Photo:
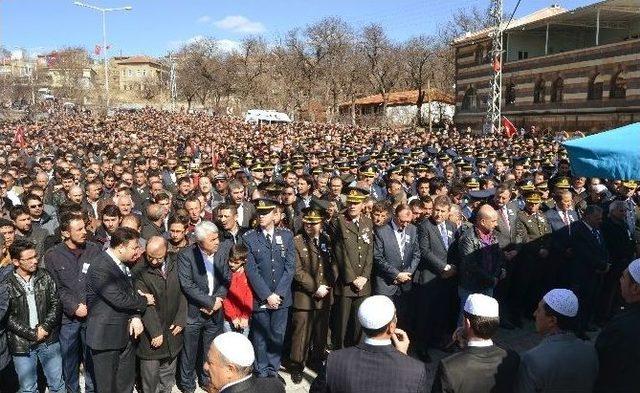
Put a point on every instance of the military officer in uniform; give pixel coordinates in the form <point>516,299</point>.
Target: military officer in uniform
<point>270,269</point>
<point>352,235</point>
<point>533,232</point>
<point>312,295</point>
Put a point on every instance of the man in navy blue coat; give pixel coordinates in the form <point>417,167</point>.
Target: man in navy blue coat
<point>396,255</point>
<point>204,276</point>
<point>270,269</point>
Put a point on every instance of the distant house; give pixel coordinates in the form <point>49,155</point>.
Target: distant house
<point>136,71</point>
<point>402,108</point>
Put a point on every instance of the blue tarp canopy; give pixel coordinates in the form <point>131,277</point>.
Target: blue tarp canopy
<point>613,154</point>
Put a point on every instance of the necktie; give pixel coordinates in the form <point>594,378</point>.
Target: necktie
<point>596,234</point>
<point>505,217</point>
<point>443,234</point>
<point>268,238</point>
<point>316,242</point>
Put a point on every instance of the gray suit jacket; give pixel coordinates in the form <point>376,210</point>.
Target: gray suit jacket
<point>560,363</point>
<point>433,253</point>
<point>388,261</point>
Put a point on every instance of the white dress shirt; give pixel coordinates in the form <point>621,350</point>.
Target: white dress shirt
<point>208,264</point>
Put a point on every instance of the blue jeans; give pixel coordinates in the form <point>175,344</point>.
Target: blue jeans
<point>74,349</point>
<point>463,294</point>
<point>227,327</point>
<point>27,368</point>
<point>197,338</point>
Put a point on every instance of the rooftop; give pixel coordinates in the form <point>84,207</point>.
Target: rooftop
<point>408,97</point>
<point>139,59</point>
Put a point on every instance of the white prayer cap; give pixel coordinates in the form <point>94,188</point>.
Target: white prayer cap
<point>236,348</point>
<point>634,270</point>
<point>600,188</point>
<point>562,301</point>
<point>482,306</point>
<point>376,312</point>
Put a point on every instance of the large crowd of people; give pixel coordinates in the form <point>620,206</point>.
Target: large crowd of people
<point>151,249</point>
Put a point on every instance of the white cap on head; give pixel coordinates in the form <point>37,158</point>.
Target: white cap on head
<point>376,312</point>
<point>600,188</point>
<point>236,348</point>
<point>562,301</point>
<point>634,270</point>
<point>482,306</point>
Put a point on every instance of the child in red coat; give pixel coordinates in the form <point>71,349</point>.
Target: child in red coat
<point>238,304</point>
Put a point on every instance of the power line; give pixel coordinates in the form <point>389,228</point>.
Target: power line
<point>513,13</point>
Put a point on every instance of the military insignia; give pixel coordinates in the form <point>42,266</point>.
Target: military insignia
<point>365,238</point>
<point>278,239</point>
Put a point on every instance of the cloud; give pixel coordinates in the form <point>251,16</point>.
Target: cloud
<point>224,45</point>
<point>204,19</point>
<point>228,45</point>
<point>239,24</point>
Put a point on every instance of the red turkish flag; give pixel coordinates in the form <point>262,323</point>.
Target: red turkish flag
<point>97,50</point>
<point>18,138</point>
<point>509,129</point>
<point>496,64</point>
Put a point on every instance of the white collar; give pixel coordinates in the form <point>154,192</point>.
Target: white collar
<point>235,382</point>
<point>204,254</point>
<point>588,226</point>
<point>270,232</point>
<point>113,256</point>
<point>478,342</point>
<point>376,342</point>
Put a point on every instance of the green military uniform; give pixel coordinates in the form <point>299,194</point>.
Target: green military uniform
<point>533,233</point>
<point>310,317</point>
<point>353,256</point>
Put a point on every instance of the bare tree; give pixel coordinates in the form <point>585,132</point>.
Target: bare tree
<point>417,52</point>
<point>382,60</point>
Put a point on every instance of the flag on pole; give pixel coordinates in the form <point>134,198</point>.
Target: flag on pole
<point>18,138</point>
<point>97,50</point>
<point>496,64</point>
<point>509,129</point>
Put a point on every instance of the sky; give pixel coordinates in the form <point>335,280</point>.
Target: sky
<point>154,27</point>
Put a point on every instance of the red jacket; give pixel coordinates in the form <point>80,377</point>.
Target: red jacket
<point>239,301</point>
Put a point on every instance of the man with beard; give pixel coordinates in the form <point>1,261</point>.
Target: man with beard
<point>26,230</point>
<point>114,306</point>
<point>68,263</point>
<point>352,234</point>
<point>111,219</point>
<point>153,222</point>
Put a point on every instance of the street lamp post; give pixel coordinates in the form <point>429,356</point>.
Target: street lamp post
<point>104,40</point>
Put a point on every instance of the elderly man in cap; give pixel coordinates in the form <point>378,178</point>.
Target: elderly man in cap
<point>270,269</point>
<point>618,344</point>
<point>561,362</point>
<point>482,366</point>
<point>379,363</point>
<point>229,364</point>
<point>312,298</point>
<point>353,238</point>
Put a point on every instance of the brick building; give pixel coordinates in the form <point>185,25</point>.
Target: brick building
<point>562,69</point>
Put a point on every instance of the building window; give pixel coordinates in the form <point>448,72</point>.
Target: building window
<point>479,54</point>
<point>595,88</point>
<point>144,72</point>
<point>556,90</point>
<point>470,100</point>
<point>539,91</point>
<point>510,94</point>
<point>618,87</point>
<point>523,55</point>
<point>130,72</point>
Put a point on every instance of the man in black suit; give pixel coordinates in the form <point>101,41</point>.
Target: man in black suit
<point>433,282</point>
<point>589,263</point>
<point>395,256</point>
<point>379,363</point>
<point>618,344</point>
<point>227,214</point>
<point>245,209</point>
<point>229,364</point>
<point>114,310</point>
<point>204,277</point>
<point>560,218</point>
<point>481,367</point>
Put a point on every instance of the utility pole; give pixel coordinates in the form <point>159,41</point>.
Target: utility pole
<point>493,118</point>
<point>172,83</point>
<point>429,103</point>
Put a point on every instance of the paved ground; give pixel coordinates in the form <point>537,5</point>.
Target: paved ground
<point>519,340</point>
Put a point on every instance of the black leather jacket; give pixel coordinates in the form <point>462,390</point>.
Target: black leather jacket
<point>20,336</point>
